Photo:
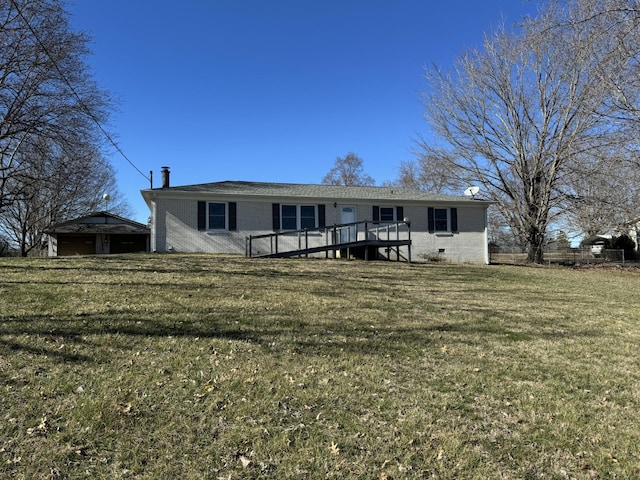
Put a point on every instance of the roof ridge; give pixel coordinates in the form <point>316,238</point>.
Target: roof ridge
<point>387,193</point>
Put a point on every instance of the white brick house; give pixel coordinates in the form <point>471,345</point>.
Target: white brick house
<point>219,217</point>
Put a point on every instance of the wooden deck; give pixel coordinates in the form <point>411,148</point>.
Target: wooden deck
<point>362,240</point>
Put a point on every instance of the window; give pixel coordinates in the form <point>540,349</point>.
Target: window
<point>298,217</point>
<point>289,217</point>
<point>307,217</point>
<point>443,220</point>
<point>387,214</point>
<point>216,216</point>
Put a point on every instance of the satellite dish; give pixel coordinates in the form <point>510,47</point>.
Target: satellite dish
<point>471,191</point>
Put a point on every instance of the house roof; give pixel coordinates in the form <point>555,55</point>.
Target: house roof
<point>264,189</point>
<point>596,239</point>
<point>99,222</point>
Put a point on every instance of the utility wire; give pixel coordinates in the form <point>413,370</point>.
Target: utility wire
<point>75,93</point>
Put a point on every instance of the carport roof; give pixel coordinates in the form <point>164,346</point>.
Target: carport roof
<point>100,222</point>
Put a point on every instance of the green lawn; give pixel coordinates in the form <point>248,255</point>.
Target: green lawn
<point>215,367</point>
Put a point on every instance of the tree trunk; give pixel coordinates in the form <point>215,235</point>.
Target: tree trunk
<point>23,242</point>
<point>535,253</point>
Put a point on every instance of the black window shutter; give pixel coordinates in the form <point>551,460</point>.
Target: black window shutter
<point>322,221</point>
<point>202,215</point>
<point>233,226</point>
<point>399,214</point>
<point>376,213</point>
<point>454,220</point>
<point>431,220</point>
<point>275,207</point>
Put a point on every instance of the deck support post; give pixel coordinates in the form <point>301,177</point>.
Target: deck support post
<point>306,242</point>
<point>409,245</point>
<point>326,243</point>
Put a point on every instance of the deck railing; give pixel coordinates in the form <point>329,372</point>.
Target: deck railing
<point>327,239</point>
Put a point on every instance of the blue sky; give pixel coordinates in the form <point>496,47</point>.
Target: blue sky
<point>271,90</point>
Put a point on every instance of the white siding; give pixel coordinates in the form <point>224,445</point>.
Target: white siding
<point>175,227</point>
<point>469,245</point>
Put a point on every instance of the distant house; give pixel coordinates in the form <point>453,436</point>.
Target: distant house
<point>98,233</point>
<point>600,242</point>
<point>220,217</point>
<point>597,243</point>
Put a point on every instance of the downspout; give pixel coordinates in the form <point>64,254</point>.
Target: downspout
<point>486,236</point>
<point>153,224</point>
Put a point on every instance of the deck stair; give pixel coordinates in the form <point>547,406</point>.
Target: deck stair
<point>366,240</point>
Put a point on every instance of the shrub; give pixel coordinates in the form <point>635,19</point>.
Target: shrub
<point>626,243</point>
<point>4,247</point>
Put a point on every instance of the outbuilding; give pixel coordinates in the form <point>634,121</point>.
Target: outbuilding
<point>98,233</point>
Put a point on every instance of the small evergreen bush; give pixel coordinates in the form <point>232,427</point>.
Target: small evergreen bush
<point>623,242</point>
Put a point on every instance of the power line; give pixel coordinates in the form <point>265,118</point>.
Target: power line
<point>75,93</point>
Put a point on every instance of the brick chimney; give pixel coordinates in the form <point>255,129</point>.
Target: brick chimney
<point>165,177</point>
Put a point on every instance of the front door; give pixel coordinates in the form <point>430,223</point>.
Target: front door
<point>347,215</point>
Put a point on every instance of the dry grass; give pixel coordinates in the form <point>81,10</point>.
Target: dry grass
<point>222,367</point>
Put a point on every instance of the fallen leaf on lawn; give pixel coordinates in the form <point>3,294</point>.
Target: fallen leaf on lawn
<point>41,428</point>
<point>335,450</point>
<point>125,408</point>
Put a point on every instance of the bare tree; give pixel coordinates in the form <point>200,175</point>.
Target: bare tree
<point>429,173</point>
<point>514,114</point>
<point>46,92</point>
<point>601,184</point>
<point>57,187</point>
<point>600,190</point>
<point>500,233</point>
<point>51,116</point>
<point>617,23</point>
<point>348,170</point>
